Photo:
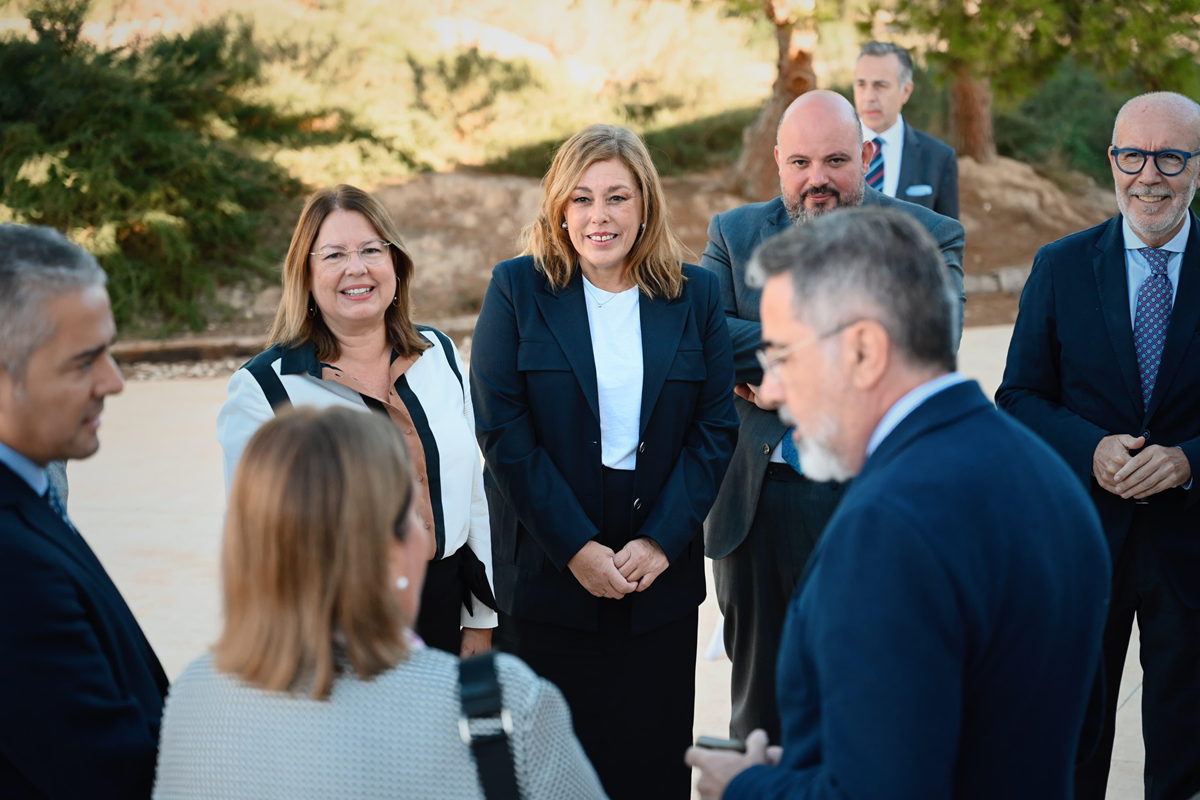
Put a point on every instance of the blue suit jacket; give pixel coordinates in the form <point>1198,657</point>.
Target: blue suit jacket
<point>537,416</point>
<point>1072,377</point>
<point>944,641</point>
<point>81,691</point>
<point>733,236</point>
<point>928,162</point>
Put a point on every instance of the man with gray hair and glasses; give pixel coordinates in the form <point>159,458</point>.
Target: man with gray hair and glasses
<point>80,687</point>
<point>1104,364</point>
<point>944,640</point>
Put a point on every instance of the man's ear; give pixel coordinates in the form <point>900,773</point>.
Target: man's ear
<point>906,92</point>
<point>778,163</point>
<point>868,153</point>
<point>869,348</point>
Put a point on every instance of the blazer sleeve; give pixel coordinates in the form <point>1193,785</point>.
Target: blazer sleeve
<point>885,599</point>
<point>244,412</point>
<point>523,471</point>
<point>1032,387</point>
<point>67,726</point>
<point>745,334</point>
<point>691,488</point>
<point>952,239</point>
<point>947,189</point>
<point>479,535</point>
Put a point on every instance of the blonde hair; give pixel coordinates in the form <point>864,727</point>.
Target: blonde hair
<point>294,324</point>
<point>315,504</point>
<point>654,259</point>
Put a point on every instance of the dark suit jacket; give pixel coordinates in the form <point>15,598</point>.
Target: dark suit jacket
<point>928,163</point>
<point>1072,377</point>
<point>945,638</point>
<point>82,689</point>
<point>533,385</point>
<point>732,239</point>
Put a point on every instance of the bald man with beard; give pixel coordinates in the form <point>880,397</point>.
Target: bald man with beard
<point>768,516</point>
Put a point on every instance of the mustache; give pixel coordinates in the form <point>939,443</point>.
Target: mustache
<point>826,189</point>
<point>1164,192</point>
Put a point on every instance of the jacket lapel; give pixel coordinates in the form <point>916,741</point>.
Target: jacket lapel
<point>1185,316</point>
<point>565,313</point>
<point>909,157</point>
<point>662,327</point>
<point>40,517</point>
<point>1113,284</point>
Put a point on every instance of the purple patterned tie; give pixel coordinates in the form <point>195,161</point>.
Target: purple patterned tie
<point>1151,319</point>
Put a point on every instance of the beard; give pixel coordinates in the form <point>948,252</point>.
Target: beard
<point>817,459</point>
<point>799,214</point>
<point>1162,221</point>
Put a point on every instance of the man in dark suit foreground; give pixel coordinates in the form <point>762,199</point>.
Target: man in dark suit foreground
<point>768,516</point>
<point>80,688</point>
<point>945,638</point>
<point>1104,365</point>
<point>906,163</point>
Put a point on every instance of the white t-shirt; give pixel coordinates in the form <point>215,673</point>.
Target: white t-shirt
<point>616,326</point>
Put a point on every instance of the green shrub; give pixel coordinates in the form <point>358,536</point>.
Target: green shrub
<point>146,154</point>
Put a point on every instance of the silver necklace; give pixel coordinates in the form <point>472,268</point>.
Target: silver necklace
<point>597,302</point>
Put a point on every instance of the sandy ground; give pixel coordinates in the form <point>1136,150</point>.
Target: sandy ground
<point>151,502</point>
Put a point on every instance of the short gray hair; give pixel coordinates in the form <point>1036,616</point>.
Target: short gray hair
<point>35,264</point>
<point>1182,103</point>
<point>870,263</point>
<point>889,49</point>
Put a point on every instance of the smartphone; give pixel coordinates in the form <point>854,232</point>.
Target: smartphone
<point>713,743</point>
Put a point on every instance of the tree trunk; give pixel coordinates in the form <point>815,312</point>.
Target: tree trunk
<point>755,175</point>
<point>971,117</point>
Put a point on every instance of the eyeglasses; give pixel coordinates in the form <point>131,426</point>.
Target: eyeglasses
<point>771,362</point>
<point>372,254</point>
<point>1131,160</point>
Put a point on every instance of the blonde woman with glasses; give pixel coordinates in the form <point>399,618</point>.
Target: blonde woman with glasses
<point>344,336</point>
<point>315,688</point>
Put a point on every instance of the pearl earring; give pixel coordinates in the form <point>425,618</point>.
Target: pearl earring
<point>402,583</point>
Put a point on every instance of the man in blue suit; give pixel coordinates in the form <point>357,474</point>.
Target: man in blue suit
<point>1104,365</point>
<point>946,635</point>
<point>81,690</point>
<point>768,516</point>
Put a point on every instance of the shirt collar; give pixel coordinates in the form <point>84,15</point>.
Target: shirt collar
<point>1177,244</point>
<point>908,404</point>
<point>28,471</point>
<point>893,135</point>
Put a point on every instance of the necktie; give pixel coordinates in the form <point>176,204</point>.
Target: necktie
<point>1151,319</point>
<point>789,452</point>
<point>875,172</point>
<point>59,507</point>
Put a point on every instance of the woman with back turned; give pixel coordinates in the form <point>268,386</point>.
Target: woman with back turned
<point>316,690</point>
<point>602,379</point>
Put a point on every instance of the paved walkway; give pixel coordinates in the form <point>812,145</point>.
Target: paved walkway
<point>151,502</point>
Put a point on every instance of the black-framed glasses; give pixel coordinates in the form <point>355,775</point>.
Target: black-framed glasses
<point>771,362</point>
<point>1131,160</point>
<point>372,253</point>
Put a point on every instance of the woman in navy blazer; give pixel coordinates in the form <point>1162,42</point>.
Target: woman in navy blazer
<point>602,380</point>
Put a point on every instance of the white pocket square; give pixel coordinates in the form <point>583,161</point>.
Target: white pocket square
<point>919,190</point>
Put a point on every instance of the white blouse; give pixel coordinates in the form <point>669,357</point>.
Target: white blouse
<point>615,321</point>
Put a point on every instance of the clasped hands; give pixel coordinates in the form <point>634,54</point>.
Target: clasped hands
<point>1155,469</point>
<point>607,574</point>
<point>719,767</point>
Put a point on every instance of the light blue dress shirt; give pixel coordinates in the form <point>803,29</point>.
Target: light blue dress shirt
<point>1137,268</point>
<point>908,404</point>
<point>28,471</point>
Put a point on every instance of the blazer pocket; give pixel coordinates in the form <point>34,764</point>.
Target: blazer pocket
<point>538,356</point>
<point>688,366</point>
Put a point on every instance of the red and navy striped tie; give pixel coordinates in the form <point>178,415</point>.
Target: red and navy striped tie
<point>1151,319</point>
<point>875,172</point>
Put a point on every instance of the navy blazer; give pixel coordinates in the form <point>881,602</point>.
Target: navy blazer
<point>537,416</point>
<point>928,162</point>
<point>1072,377</point>
<point>944,641</point>
<point>82,689</point>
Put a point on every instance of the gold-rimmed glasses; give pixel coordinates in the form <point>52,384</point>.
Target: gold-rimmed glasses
<point>371,253</point>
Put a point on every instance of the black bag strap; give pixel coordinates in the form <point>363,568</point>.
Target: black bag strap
<point>268,381</point>
<point>480,691</point>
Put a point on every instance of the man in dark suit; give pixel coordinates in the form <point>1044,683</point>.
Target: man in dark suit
<point>768,516</point>
<point>1104,365</point>
<point>947,633</point>
<point>80,688</point>
<point>907,163</point>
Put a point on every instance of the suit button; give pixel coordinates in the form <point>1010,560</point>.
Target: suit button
<point>426,526</point>
<point>420,479</point>
<point>642,447</point>
<point>1145,434</point>
<point>637,503</point>
<point>766,449</point>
